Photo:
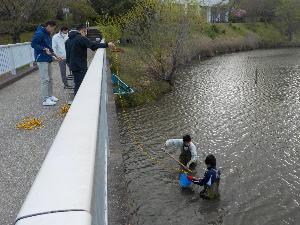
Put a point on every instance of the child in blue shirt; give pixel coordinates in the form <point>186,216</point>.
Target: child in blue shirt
<point>210,181</point>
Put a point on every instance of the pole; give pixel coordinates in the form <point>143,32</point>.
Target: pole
<point>256,75</point>
<point>180,163</point>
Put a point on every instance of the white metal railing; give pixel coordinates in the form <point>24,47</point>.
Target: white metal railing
<point>14,56</point>
<point>71,186</point>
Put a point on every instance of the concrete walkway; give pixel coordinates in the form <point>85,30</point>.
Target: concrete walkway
<point>22,152</point>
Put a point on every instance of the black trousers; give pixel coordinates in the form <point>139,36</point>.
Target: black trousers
<point>185,157</point>
<point>78,78</point>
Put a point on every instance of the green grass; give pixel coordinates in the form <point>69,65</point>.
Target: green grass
<point>269,34</point>
<point>6,39</point>
<point>266,32</point>
<point>147,89</point>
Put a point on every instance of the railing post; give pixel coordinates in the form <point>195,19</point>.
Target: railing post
<point>30,56</point>
<point>12,61</point>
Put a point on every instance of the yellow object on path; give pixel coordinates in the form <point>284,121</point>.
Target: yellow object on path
<point>30,123</point>
<point>64,109</point>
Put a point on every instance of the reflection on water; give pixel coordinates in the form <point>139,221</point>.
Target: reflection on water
<point>253,130</point>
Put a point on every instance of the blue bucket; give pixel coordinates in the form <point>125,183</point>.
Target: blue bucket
<point>184,182</point>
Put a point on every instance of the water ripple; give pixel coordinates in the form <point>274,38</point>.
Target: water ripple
<point>252,129</point>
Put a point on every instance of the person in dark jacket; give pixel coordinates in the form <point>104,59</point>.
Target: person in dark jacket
<point>76,53</point>
<point>210,181</point>
<point>43,53</point>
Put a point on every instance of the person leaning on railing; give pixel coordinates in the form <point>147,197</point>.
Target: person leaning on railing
<point>43,54</point>
<point>76,53</point>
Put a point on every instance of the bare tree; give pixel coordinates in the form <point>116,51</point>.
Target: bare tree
<point>161,32</point>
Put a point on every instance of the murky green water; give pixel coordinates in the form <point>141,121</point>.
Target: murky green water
<point>253,130</point>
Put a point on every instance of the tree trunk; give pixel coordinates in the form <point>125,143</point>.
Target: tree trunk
<point>290,32</point>
<point>290,27</point>
<point>16,37</point>
<point>290,36</point>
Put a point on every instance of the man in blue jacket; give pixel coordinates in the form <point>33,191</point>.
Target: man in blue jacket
<point>210,181</point>
<point>76,53</point>
<point>43,53</point>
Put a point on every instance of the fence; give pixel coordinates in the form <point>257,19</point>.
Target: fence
<point>71,186</point>
<point>14,56</point>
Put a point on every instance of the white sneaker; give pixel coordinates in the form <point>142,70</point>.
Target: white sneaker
<point>49,102</point>
<point>53,98</point>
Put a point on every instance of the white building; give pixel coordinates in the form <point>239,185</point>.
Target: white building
<point>214,10</point>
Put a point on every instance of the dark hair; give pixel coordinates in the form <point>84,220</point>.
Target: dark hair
<point>187,138</point>
<point>51,23</point>
<point>80,27</point>
<point>211,160</point>
<point>63,28</point>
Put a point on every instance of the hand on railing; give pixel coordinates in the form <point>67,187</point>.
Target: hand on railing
<point>111,45</point>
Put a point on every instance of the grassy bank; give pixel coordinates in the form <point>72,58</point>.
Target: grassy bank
<point>6,39</point>
<point>133,72</point>
<point>214,39</point>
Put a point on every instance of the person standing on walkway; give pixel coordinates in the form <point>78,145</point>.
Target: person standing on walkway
<point>43,53</point>
<point>76,53</point>
<point>59,48</point>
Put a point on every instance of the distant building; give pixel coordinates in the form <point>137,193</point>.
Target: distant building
<point>215,10</point>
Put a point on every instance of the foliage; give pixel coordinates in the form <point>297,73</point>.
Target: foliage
<point>19,16</point>
<point>110,29</point>
<point>254,10</point>
<point>81,11</point>
<point>160,31</point>
<point>284,13</point>
<point>16,15</point>
<point>112,7</point>
<point>288,12</point>
<point>24,37</point>
<point>213,30</point>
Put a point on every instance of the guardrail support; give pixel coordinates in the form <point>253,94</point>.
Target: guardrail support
<point>12,61</point>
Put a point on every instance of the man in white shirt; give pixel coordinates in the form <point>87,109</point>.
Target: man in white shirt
<point>188,156</point>
<point>58,46</point>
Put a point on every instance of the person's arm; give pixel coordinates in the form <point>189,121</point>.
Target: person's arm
<point>175,142</point>
<point>55,55</point>
<point>36,41</point>
<point>85,42</point>
<point>51,52</point>
<point>202,181</point>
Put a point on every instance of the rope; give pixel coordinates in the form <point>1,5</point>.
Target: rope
<point>139,145</point>
<point>134,136</point>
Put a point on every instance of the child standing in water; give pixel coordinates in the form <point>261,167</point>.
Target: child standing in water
<point>210,181</point>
